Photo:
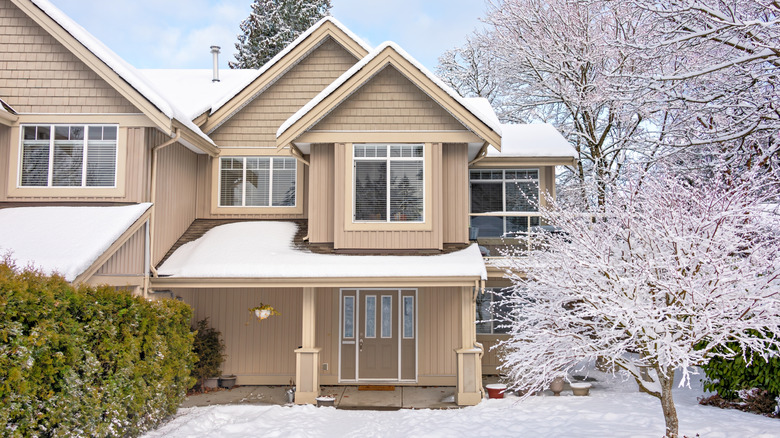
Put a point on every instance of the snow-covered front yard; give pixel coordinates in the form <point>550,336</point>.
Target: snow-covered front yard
<point>614,409</point>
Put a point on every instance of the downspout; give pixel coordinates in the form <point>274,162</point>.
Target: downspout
<point>153,200</point>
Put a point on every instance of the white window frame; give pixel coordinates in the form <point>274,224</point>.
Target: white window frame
<point>387,159</point>
<point>504,214</point>
<point>243,179</point>
<point>84,158</point>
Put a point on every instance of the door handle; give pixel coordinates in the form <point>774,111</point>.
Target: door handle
<point>360,343</point>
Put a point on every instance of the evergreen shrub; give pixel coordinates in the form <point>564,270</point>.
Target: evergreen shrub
<point>84,361</point>
<point>209,350</point>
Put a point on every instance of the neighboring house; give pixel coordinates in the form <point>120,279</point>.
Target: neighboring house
<point>337,184</point>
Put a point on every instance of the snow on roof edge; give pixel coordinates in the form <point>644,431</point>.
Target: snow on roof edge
<point>362,63</point>
<point>289,48</point>
<point>121,67</point>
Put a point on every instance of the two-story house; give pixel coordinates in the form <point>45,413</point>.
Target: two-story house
<point>343,185</point>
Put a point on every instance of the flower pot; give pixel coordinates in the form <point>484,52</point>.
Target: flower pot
<point>227,382</point>
<point>211,382</point>
<point>325,401</point>
<point>556,386</point>
<point>496,390</point>
<point>580,388</point>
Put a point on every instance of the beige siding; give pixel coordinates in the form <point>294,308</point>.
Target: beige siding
<point>388,239</point>
<point>389,101</point>
<point>5,152</point>
<point>253,348</point>
<point>176,193</point>
<point>492,356</point>
<point>256,124</point>
<point>321,202</point>
<point>129,259</point>
<point>136,171</point>
<point>41,76</point>
<point>438,331</point>
<point>455,184</point>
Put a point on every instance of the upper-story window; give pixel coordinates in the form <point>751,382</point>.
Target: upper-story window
<point>504,201</point>
<point>68,156</point>
<point>389,183</point>
<point>257,182</point>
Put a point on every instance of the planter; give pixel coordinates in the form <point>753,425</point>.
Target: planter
<point>227,382</point>
<point>556,386</point>
<point>580,389</point>
<point>325,401</point>
<point>211,382</point>
<point>496,390</point>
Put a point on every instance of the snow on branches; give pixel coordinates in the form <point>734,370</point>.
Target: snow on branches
<point>670,269</point>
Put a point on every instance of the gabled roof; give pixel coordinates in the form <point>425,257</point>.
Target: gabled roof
<point>328,27</point>
<point>68,240</point>
<point>112,69</point>
<point>389,53</point>
<point>534,141</point>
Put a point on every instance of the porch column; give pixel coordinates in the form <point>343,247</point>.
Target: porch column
<point>307,358</point>
<point>469,355</point>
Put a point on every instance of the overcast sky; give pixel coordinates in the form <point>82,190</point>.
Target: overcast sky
<point>178,33</point>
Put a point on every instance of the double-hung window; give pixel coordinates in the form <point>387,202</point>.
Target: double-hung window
<point>504,201</point>
<point>492,312</point>
<point>257,182</point>
<point>68,156</point>
<point>389,183</point>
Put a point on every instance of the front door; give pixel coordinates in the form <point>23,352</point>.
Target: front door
<point>378,334</point>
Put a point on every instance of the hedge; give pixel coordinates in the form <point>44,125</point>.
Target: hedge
<point>88,361</point>
<point>728,377</point>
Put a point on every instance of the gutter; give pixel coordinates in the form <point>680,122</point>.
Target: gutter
<point>480,155</point>
<point>153,199</point>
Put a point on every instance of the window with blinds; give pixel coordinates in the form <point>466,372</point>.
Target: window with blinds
<point>69,156</point>
<point>257,182</point>
<point>389,183</point>
<point>504,201</point>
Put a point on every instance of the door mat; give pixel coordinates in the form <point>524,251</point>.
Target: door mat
<point>376,388</point>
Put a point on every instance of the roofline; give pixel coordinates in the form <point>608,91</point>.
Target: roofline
<point>277,66</point>
<point>385,55</point>
<point>58,32</point>
<point>7,118</point>
<point>196,140</point>
<point>493,161</point>
<point>107,254</point>
<point>284,282</point>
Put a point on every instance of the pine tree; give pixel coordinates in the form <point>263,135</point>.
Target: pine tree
<point>272,25</point>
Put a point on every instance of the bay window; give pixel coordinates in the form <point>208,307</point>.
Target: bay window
<point>257,182</point>
<point>68,156</point>
<point>504,201</point>
<point>389,183</point>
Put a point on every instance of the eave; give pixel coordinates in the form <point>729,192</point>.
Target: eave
<point>280,282</point>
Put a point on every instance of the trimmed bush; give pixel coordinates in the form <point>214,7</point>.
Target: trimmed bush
<point>209,350</point>
<point>88,361</point>
<point>732,377</point>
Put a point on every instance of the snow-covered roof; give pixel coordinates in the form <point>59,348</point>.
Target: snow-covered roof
<point>66,240</point>
<point>193,89</point>
<point>483,105</point>
<point>290,47</point>
<point>533,140</point>
<point>119,66</point>
<point>474,109</point>
<point>265,250</point>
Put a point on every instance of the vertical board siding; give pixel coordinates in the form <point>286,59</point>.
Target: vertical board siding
<point>129,258</point>
<point>41,76</point>
<point>255,125</point>
<point>348,239</point>
<point>389,101</point>
<point>176,193</point>
<point>327,331</point>
<point>253,348</point>
<point>322,193</point>
<point>491,358</point>
<point>455,175</point>
<point>438,330</point>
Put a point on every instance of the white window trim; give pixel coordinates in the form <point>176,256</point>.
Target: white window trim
<point>504,213</point>
<point>243,178</point>
<point>387,159</point>
<point>85,155</point>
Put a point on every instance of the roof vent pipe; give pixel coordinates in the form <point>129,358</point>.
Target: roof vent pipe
<point>215,52</point>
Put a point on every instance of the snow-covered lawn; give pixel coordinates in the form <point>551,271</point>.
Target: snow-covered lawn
<point>614,409</point>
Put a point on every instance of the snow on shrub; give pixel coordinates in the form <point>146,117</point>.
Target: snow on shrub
<point>83,361</point>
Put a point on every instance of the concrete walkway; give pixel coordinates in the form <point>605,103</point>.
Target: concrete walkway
<point>347,397</point>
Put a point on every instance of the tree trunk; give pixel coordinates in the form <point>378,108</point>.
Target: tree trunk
<point>667,403</point>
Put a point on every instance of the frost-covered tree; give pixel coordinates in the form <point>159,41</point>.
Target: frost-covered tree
<point>272,25</point>
<point>661,279</point>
